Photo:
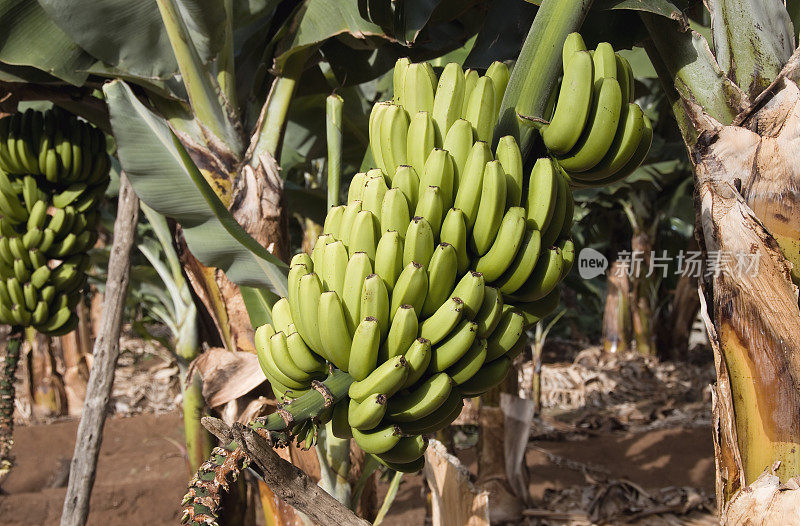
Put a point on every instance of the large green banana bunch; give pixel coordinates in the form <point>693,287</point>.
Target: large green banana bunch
<point>597,134</point>
<point>422,285</point>
<point>53,173</point>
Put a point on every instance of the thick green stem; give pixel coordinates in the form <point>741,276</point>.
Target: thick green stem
<point>269,128</point>
<point>226,77</point>
<point>692,69</point>
<point>308,405</point>
<point>333,127</point>
<point>198,440</point>
<point>7,394</point>
<point>538,67</point>
<point>334,464</point>
<point>201,86</point>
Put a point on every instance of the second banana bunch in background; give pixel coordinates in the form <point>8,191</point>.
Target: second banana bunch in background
<point>421,287</point>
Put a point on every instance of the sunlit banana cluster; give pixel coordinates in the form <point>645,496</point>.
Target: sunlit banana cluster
<point>53,173</point>
<point>597,134</point>
<point>422,285</point>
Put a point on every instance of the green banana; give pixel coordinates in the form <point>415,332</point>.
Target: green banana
<point>308,292</point>
<point>626,141</point>
<point>470,81</point>
<point>367,414</point>
<point>627,82</point>
<point>387,378</point>
<point>469,196</point>
<point>355,190</point>
<point>418,244</point>
<point>375,139</point>
<point>421,140</point>
<point>395,214</point>
<point>402,333</point>
<point>422,401</point>
<point>378,440</point>
<point>352,209</point>
<point>470,289</point>
<point>605,62</point>
<point>559,218</point>
<point>398,75</point>
<point>418,357</point>
<point>573,105</point>
<point>439,419</point>
<point>372,197</point>
<point>430,207</point>
<point>407,181</point>
<point>600,129</point>
<point>364,348</point>
<point>489,376</point>
<point>523,264</point>
<point>469,364</point>
<point>574,42</point>
<point>375,302</point>
<point>410,289</point>
<point>404,454</point>
<point>454,233</point>
<point>279,352</point>
<point>364,235</point>
<point>418,89</point>
<point>282,315</point>
<point>303,356</point>
<point>438,171</point>
<point>448,100</point>
<point>500,76</point>
<point>389,258</point>
<point>334,334</point>
<point>505,246</point>
<point>567,248</point>
<point>454,346</point>
<point>481,109</point>
<point>511,160</point>
<point>491,208</point>
<point>442,272</point>
<point>458,143</point>
<point>489,315</point>
<point>544,278</point>
<point>358,268</point>
<point>318,253</point>
<point>443,321</point>
<point>335,267</point>
<point>534,311</point>
<point>508,332</point>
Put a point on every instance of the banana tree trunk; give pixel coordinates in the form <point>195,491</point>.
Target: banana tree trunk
<point>741,126</point>
<point>673,336</point>
<point>617,313</point>
<point>747,198</point>
<point>641,311</point>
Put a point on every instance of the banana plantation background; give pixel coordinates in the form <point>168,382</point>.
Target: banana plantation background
<point>662,389</point>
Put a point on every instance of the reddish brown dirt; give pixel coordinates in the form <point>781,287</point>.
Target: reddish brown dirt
<point>140,479</point>
<point>142,472</point>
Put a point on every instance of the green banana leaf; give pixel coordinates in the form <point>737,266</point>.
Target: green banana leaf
<point>30,38</point>
<point>164,176</point>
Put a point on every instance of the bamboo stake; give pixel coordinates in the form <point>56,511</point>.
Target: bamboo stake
<point>106,352</point>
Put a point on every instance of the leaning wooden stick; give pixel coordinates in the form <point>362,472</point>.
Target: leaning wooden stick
<point>286,480</point>
<point>106,352</point>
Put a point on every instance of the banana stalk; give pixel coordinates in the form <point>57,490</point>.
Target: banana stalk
<point>538,67</point>
<point>333,127</point>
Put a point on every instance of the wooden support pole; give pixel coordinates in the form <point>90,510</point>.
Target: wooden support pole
<point>106,352</point>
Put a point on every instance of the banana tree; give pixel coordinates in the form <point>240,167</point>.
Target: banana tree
<point>734,100</point>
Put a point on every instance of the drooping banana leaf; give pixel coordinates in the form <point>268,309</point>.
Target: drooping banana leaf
<point>164,176</point>
<point>30,38</point>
